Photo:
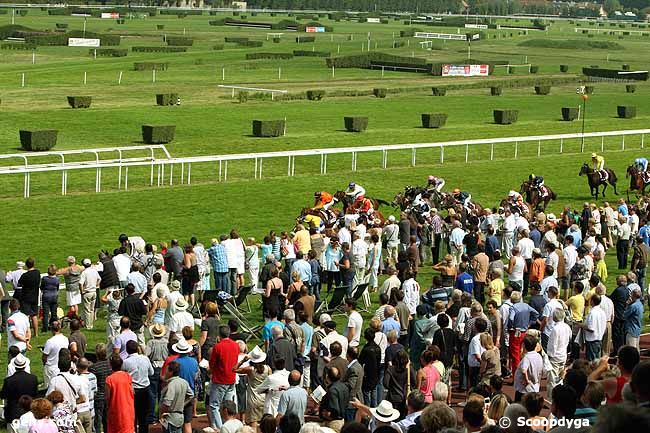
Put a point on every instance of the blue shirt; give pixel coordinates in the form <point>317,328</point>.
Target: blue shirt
<point>266,330</point>
<point>465,282</point>
<point>189,368</point>
<point>577,238</point>
<point>644,232</point>
<point>303,268</point>
<point>491,245</point>
<point>634,318</point>
<point>218,260</point>
<point>521,316</point>
<point>622,209</point>
<point>390,324</point>
<point>309,333</point>
<point>536,237</point>
<point>138,280</point>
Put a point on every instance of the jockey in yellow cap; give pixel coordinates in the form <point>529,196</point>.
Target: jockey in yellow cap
<point>599,165</point>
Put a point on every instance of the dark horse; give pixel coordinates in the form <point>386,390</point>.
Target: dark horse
<point>637,180</point>
<point>342,197</point>
<point>329,217</point>
<point>534,197</point>
<point>595,181</point>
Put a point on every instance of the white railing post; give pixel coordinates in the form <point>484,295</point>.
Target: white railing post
<point>516,148</point>
<point>623,142</point>
<point>256,158</point>
<point>182,172</point>
<point>642,135</point>
<point>442,154</point>
<point>466,153</point>
<point>171,174</point>
<point>225,171</point>
<point>289,166</point>
<point>325,165</point>
<point>413,157</point>
<point>99,179</point>
<point>219,170</point>
<point>126,179</point>
<point>539,148</point>
<point>561,145</point>
<point>189,173</point>
<point>261,160</point>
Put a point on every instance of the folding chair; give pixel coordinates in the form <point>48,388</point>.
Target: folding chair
<point>335,302</point>
<point>242,297</point>
<point>362,291</point>
<point>237,315</point>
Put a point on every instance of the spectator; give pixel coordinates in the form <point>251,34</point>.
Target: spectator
<point>41,408</point>
<point>293,401</point>
<point>520,317</point>
<point>370,359</point>
<point>51,350</point>
<point>30,283</point>
<point>15,386</point>
<point>633,317</point>
<point>273,386</point>
<point>627,359</point>
<point>77,340</point>
<point>49,297</point>
<point>88,381</point>
<point>353,379</point>
<point>139,367</point>
<point>88,284</point>
<point>335,401</point>
<point>101,369</point>
<point>19,333</point>
<point>120,407</point>
<point>222,361</point>
<point>133,307</point>
<point>125,335</point>
<point>529,371</point>
<point>174,399</point>
<point>67,383</point>
<point>556,349</point>
<point>594,327</point>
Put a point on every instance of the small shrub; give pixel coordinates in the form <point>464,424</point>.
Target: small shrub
<point>252,44</point>
<point>79,101</point>
<point>542,90</point>
<point>35,140</point>
<point>61,25</point>
<point>564,68</point>
<point>274,56</point>
<point>626,111</point>
<point>158,134</point>
<point>304,39</point>
<point>379,92</point>
<point>439,91</point>
<point>496,90</point>
<point>276,40</point>
<point>176,41</point>
<point>217,47</point>
<point>630,88</point>
<point>434,120</point>
<point>569,113</point>
<point>160,27</point>
<point>626,67</point>
<point>355,123</point>
<point>315,95</point>
<point>22,12</point>
<point>149,66</point>
<point>505,117</point>
<point>589,90</point>
<point>235,40</point>
<point>167,99</point>
<point>242,97</point>
<point>268,128</point>
<point>534,69</point>
<point>159,49</point>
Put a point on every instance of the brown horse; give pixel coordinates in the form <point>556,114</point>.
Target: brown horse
<point>637,181</point>
<point>595,181</point>
<point>533,196</point>
<point>526,211</point>
<point>329,217</point>
<point>347,201</point>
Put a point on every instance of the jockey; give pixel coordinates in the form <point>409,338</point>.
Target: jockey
<point>323,200</point>
<point>362,205</point>
<point>537,182</point>
<point>314,221</point>
<point>462,197</point>
<point>641,164</point>
<point>436,182</point>
<point>599,165</point>
<point>354,191</point>
<point>515,198</point>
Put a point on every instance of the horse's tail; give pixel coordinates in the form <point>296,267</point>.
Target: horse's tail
<point>383,202</point>
<point>612,177</point>
<point>552,194</point>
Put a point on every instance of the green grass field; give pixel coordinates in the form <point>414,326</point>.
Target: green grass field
<point>50,227</point>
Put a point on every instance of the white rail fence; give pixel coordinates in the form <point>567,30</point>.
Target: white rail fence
<point>160,165</point>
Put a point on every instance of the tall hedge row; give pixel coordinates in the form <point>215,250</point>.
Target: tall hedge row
<point>159,49</point>
<point>178,41</point>
<point>108,52</point>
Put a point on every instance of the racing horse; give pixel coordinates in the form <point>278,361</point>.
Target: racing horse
<point>449,202</point>
<point>595,181</point>
<point>329,217</point>
<point>525,210</point>
<point>347,201</point>
<point>638,180</point>
<point>533,196</point>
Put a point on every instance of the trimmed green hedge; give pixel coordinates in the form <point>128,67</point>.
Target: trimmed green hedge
<point>160,27</point>
<point>158,134</point>
<point>159,49</point>
<point>589,90</point>
<point>496,90</point>
<point>61,25</point>
<point>21,12</point>
<point>630,88</point>
<point>61,39</point>
<point>17,46</point>
<point>625,67</point>
<point>439,91</point>
<point>35,140</point>
<point>218,47</point>
<point>268,128</point>
<point>167,99</point>
<point>626,111</point>
<point>305,39</point>
<point>274,56</point>
<point>79,101</point>
<point>108,52</point>
<point>569,113</point>
<point>58,11</point>
<point>542,90</point>
<point>149,66</point>
<point>177,41</point>
<point>355,123</point>
<point>305,53</point>
<point>379,92</point>
<point>613,73</point>
<point>434,120</point>
<point>315,95</point>
<point>252,44</point>
<point>564,68</point>
<point>235,40</point>
<point>505,117</point>
<point>534,69</point>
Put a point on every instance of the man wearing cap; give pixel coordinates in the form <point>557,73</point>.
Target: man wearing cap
<point>140,368</point>
<point>390,237</point>
<point>382,415</point>
<point>90,281</point>
<point>51,350</point>
<point>15,386</point>
<point>133,307</point>
<point>181,318</point>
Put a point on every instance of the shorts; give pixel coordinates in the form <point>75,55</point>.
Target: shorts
<point>188,412</point>
<point>29,308</point>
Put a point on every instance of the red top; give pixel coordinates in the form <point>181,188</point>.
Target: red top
<point>618,397</point>
<point>120,411</point>
<point>223,360</point>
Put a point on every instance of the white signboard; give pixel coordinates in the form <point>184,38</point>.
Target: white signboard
<point>374,20</point>
<point>465,70</point>
<point>476,26</point>
<point>83,42</point>
<point>110,15</point>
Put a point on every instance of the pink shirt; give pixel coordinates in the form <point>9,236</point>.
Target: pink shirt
<point>44,425</point>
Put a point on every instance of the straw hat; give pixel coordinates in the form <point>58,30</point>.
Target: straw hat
<point>385,412</point>
<point>181,304</point>
<point>257,356</point>
<point>182,347</point>
<point>157,330</point>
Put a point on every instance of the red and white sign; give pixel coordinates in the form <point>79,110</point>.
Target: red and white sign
<point>314,29</point>
<point>465,70</point>
<point>110,15</point>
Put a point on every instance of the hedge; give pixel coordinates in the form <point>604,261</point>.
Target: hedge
<point>62,39</point>
<point>121,21</point>
<point>614,73</point>
<point>379,92</point>
<point>177,41</point>
<point>496,90</point>
<point>542,90</point>
<point>17,46</point>
<point>274,56</point>
<point>38,139</point>
<point>276,40</point>
<point>268,128</point>
<point>108,52</point>
<point>564,68</point>
<point>315,95</point>
<point>625,67</point>
<point>159,49</point>
<point>21,12</point>
<point>534,69</point>
<point>589,90</point>
<point>185,11</point>
<point>439,91</point>
<point>355,123</point>
<point>58,11</point>
<point>236,40</point>
<point>626,111</point>
<point>217,22</point>
<point>252,44</point>
<point>434,120</point>
<point>158,134</point>
<point>79,101</point>
<point>305,53</point>
<point>148,66</point>
<point>569,113</point>
<point>167,99</point>
<point>217,47</point>
<point>630,88</point>
<point>61,25</point>
<point>505,117</point>
<point>160,27</point>
<point>304,39</point>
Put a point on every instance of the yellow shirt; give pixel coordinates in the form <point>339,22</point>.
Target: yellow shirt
<point>495,290</point>
<point>303,240</point>
<point>576,305</point>
<point>601,270</point>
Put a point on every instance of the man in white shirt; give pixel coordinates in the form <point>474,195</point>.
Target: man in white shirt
<point>332,336</point>
<point>359,258</point>
<point>547,322</point>
<point>390,283</point>
<point>137,278</point>
<point>594,328</point>
<point>474,352</point>
<point>570,256</point>
<point>526,245</point>
<point>552,259</point>
<point>509,226</point>
<point>390,235</point>
<point>122,263</point>
<point>456,246</point>
<point>88,383</point>
<point>355,323</point>
<point>548,281</point>
<point>411,289</point>
<point>273,386</point>
<point>181,318</point>
<point>88,284</point>
<point>18,329</point>
<point>558,341</point>
<point>607,306</point>
<point>51,350</point>
<point>67,383</point>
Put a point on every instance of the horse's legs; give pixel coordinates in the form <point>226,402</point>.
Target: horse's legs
<point>614,185</point>
<point>604,188</point>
